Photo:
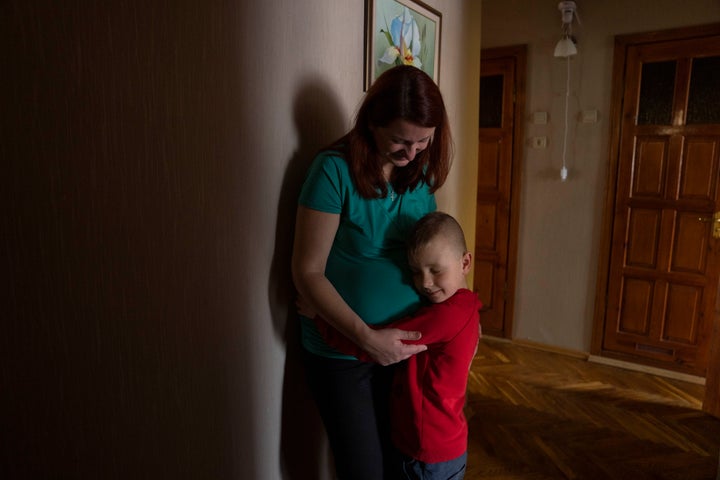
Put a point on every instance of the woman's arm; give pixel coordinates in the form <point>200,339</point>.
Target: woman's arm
<point>314,235</point>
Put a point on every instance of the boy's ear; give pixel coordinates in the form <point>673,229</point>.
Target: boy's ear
<point>466,262</point>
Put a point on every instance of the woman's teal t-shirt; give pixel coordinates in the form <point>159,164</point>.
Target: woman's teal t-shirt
<point>367,262</point>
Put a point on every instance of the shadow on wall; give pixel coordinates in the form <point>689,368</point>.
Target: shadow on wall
<point>303,450</point>
<point>119,355</point>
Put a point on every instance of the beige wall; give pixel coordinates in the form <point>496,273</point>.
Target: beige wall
<point>155,151</point>
<point>560,223</point>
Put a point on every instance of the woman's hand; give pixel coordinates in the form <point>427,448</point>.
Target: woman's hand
<point>386,345</point>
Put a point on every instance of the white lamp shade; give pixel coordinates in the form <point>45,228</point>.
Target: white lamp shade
<point>565,48</point>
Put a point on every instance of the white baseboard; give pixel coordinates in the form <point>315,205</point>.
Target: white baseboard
<point>538,346</point>
<point>660,372</point>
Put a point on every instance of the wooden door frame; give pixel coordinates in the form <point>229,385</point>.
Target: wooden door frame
<point>519,54</point>
<point>622,43</point>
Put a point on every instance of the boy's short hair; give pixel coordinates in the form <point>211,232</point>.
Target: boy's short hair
<point>432,225</point>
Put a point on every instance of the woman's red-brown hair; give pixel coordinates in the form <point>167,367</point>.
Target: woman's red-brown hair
<point>405,93</point>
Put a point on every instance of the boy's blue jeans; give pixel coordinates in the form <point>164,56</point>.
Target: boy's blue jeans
<point>451,470</point>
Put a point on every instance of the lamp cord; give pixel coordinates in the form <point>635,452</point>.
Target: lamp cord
<point>563,172</point>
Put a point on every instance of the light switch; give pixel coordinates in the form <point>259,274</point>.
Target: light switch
<point>540,118</point>
<point>589,116</point>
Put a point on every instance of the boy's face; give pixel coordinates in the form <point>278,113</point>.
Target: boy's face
<point>439,269</point>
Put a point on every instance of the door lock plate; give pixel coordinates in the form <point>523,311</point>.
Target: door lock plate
<point>715,223</point>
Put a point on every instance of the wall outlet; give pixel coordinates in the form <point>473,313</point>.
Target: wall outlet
<point>539,142</point>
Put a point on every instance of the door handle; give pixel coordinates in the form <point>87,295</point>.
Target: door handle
<point>715,220</point>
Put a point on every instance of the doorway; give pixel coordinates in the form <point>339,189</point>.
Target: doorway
<point>502,106</point>
<point>660,262</point>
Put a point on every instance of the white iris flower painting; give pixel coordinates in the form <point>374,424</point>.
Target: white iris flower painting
<point>401,32</point>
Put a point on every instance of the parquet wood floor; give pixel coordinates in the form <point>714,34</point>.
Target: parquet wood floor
<point>539,415</point>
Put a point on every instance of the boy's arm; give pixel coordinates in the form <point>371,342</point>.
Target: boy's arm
<point>340,342</point>
<point>438,322</point>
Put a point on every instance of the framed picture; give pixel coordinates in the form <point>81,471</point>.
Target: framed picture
<point>401,32</point>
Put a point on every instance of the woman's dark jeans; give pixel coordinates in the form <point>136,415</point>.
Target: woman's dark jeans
<point>353,399</point>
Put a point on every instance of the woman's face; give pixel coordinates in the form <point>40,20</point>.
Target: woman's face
<point>400,142</point>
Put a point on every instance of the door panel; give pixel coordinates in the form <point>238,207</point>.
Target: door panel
<point>664,261</point>
<point>502,71</point>
<point>491,225</point>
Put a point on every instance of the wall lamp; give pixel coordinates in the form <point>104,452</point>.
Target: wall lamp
<point>565,47</point>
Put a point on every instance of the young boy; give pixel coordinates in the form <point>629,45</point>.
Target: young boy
<point>428,425</point>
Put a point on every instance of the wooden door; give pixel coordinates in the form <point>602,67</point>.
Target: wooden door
<point>664,262</point>
<point>502,94</point>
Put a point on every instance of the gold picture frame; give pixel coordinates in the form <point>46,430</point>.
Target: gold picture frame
<point>401,32</point>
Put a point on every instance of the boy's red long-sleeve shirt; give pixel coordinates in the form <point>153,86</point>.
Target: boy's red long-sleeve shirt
<point>429,388</point>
